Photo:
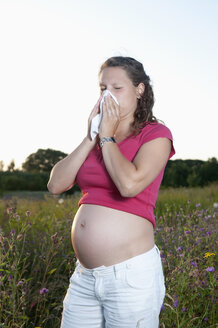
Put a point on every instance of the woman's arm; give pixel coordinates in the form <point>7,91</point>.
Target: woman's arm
<point>132,177</point>
<point>63,174</point>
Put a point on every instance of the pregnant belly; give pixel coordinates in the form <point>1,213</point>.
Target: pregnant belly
<point>104,236</point>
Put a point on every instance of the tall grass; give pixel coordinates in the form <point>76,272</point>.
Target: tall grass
<point>186,235</point>
<point>37,258</point>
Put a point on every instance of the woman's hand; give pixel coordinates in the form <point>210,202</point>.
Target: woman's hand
<point>110,118</point>
<point>94,112</point>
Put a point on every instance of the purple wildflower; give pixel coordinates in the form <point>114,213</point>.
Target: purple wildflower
<point>184,309</point>
<point>187,232</point>
<point>210,269</point>
<point>194,263</point>
<point>43,291</point>
<point>175,304</point>
<point>19,283</point>
<point>12,232</point>
<point>198,205</point>
<point>179,248</point>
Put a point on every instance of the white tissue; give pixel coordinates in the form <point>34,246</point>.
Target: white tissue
<point>97,119</point>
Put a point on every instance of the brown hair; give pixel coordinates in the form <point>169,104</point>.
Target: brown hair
<point>135,71</point>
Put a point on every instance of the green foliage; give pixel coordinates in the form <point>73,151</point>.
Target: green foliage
<point>37,259</point>
<point>19,180</point>
<point>25,181</point>
<point>190,173</point>
<point>186,236</point>
<point>178,173</point>
<point>209,171</point>
<point>2,165</point>
<point>43,160</point>
<point>11,166</point>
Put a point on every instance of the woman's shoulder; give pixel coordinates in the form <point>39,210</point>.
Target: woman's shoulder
<point>154,130</point>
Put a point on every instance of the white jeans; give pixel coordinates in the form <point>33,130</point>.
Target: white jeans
<point>128,294</point>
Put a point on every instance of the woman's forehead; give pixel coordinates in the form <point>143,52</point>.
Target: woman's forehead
<point>115,74</point>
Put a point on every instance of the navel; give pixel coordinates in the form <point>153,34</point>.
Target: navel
<point>82,225</point>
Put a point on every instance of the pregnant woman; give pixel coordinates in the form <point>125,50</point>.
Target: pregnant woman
<point>118,280</point>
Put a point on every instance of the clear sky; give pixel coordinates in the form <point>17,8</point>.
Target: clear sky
<point>51,51</point>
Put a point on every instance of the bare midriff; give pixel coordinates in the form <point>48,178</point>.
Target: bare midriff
<point>105,236</point>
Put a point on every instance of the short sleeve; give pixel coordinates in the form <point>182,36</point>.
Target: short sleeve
<point>156,130</point>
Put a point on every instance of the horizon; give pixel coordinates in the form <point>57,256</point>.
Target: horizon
<point>172,159</point>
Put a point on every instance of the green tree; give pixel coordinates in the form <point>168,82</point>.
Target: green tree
<point>43,160</point>
<point>11,166</point>
<point>209,171</point>
<point>2,165</point>
<point>194,178</point>
<point>176,174</point>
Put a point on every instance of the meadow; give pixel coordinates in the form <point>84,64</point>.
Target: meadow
<point>37,258</point>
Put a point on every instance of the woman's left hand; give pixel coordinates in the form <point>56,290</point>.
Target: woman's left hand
<point>110,118</point>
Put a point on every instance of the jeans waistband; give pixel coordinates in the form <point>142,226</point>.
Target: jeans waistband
<point>151,257</point>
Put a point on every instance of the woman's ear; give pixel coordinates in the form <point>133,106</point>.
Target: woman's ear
<point>140,90</point>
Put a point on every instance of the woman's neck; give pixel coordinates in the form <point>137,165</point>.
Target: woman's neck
<point>123,131</point>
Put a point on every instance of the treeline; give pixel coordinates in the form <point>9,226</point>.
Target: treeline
<point>190,173</point>
<point>35,172</point>
<point>178,173</point>
<point>25,181</point>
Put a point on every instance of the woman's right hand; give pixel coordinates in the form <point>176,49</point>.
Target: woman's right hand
<point>94,112</point>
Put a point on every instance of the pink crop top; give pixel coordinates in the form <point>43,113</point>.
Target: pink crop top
<point>98,188</point>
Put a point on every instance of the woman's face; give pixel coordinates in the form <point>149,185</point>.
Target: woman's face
<point>116,80</point>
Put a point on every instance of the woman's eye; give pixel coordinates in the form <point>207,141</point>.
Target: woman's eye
<point>117,88</point>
